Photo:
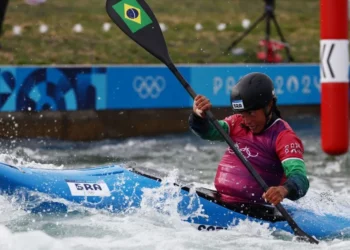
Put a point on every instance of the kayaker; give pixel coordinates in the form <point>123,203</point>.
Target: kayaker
<point>264,138</point>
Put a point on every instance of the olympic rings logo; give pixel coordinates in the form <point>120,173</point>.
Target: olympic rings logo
<point>149,86</point>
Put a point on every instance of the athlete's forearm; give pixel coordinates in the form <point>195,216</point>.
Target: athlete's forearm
<point>203,128</point>
<point>297,183</point>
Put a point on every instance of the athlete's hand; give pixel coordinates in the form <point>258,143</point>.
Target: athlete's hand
<point>275,195</point>
<point>201,104</point>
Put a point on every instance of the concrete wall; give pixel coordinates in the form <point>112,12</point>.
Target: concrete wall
<point>97,125</point>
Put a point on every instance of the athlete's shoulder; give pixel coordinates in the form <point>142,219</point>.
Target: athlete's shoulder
<point>233,122</point>
<point>281,124</point>
<point>285,131</point>
<point>233,119</point>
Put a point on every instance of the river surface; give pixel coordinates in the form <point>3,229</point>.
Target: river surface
<point>185,158</point>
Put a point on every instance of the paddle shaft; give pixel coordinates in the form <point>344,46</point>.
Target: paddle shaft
<point>216,124</point>
<point>238,153</point>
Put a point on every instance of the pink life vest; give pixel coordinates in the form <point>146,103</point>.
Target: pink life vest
<point>265,151</point>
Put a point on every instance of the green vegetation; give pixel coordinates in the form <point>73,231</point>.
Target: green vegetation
<point>299,20</point>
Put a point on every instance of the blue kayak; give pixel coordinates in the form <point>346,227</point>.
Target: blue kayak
<point>118,188</point>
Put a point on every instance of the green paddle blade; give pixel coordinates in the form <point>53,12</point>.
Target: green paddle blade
<point>137,21</point>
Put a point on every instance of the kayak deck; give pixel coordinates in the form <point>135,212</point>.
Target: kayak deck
<point>119,188</point>
<point>258,211</point>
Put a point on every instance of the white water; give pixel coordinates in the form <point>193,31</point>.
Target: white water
<point>185,157</point>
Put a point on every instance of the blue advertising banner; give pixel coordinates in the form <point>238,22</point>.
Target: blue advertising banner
<point>294,84</point>
<point>41,88</point>
<point>144,86</point>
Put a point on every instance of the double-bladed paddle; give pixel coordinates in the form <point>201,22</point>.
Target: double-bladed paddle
<point>136,19</point>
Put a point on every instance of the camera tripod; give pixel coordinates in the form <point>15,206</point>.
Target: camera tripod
<point>267,16</point>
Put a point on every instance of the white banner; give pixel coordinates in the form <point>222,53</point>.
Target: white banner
<point>99,188</point>
<point>334,55</point>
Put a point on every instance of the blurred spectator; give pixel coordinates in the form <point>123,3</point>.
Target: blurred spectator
<point>3,6</point>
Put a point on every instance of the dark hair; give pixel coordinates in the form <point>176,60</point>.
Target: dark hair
<point>275,109</point>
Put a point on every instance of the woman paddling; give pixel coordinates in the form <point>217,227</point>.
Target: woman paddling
<point>264,138</point>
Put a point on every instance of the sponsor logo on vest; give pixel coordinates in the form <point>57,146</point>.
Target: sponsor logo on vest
<point>245,151</point>
<point>293,148</point>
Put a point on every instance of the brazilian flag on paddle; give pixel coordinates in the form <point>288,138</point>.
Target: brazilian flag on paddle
<point>132,14</point>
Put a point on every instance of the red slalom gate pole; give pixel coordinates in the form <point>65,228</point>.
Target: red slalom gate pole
<point>334,71</point>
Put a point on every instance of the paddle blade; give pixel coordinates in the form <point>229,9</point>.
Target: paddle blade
<point>136,19</point>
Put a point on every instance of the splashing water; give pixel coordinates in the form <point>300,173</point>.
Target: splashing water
<point>157,223</point>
